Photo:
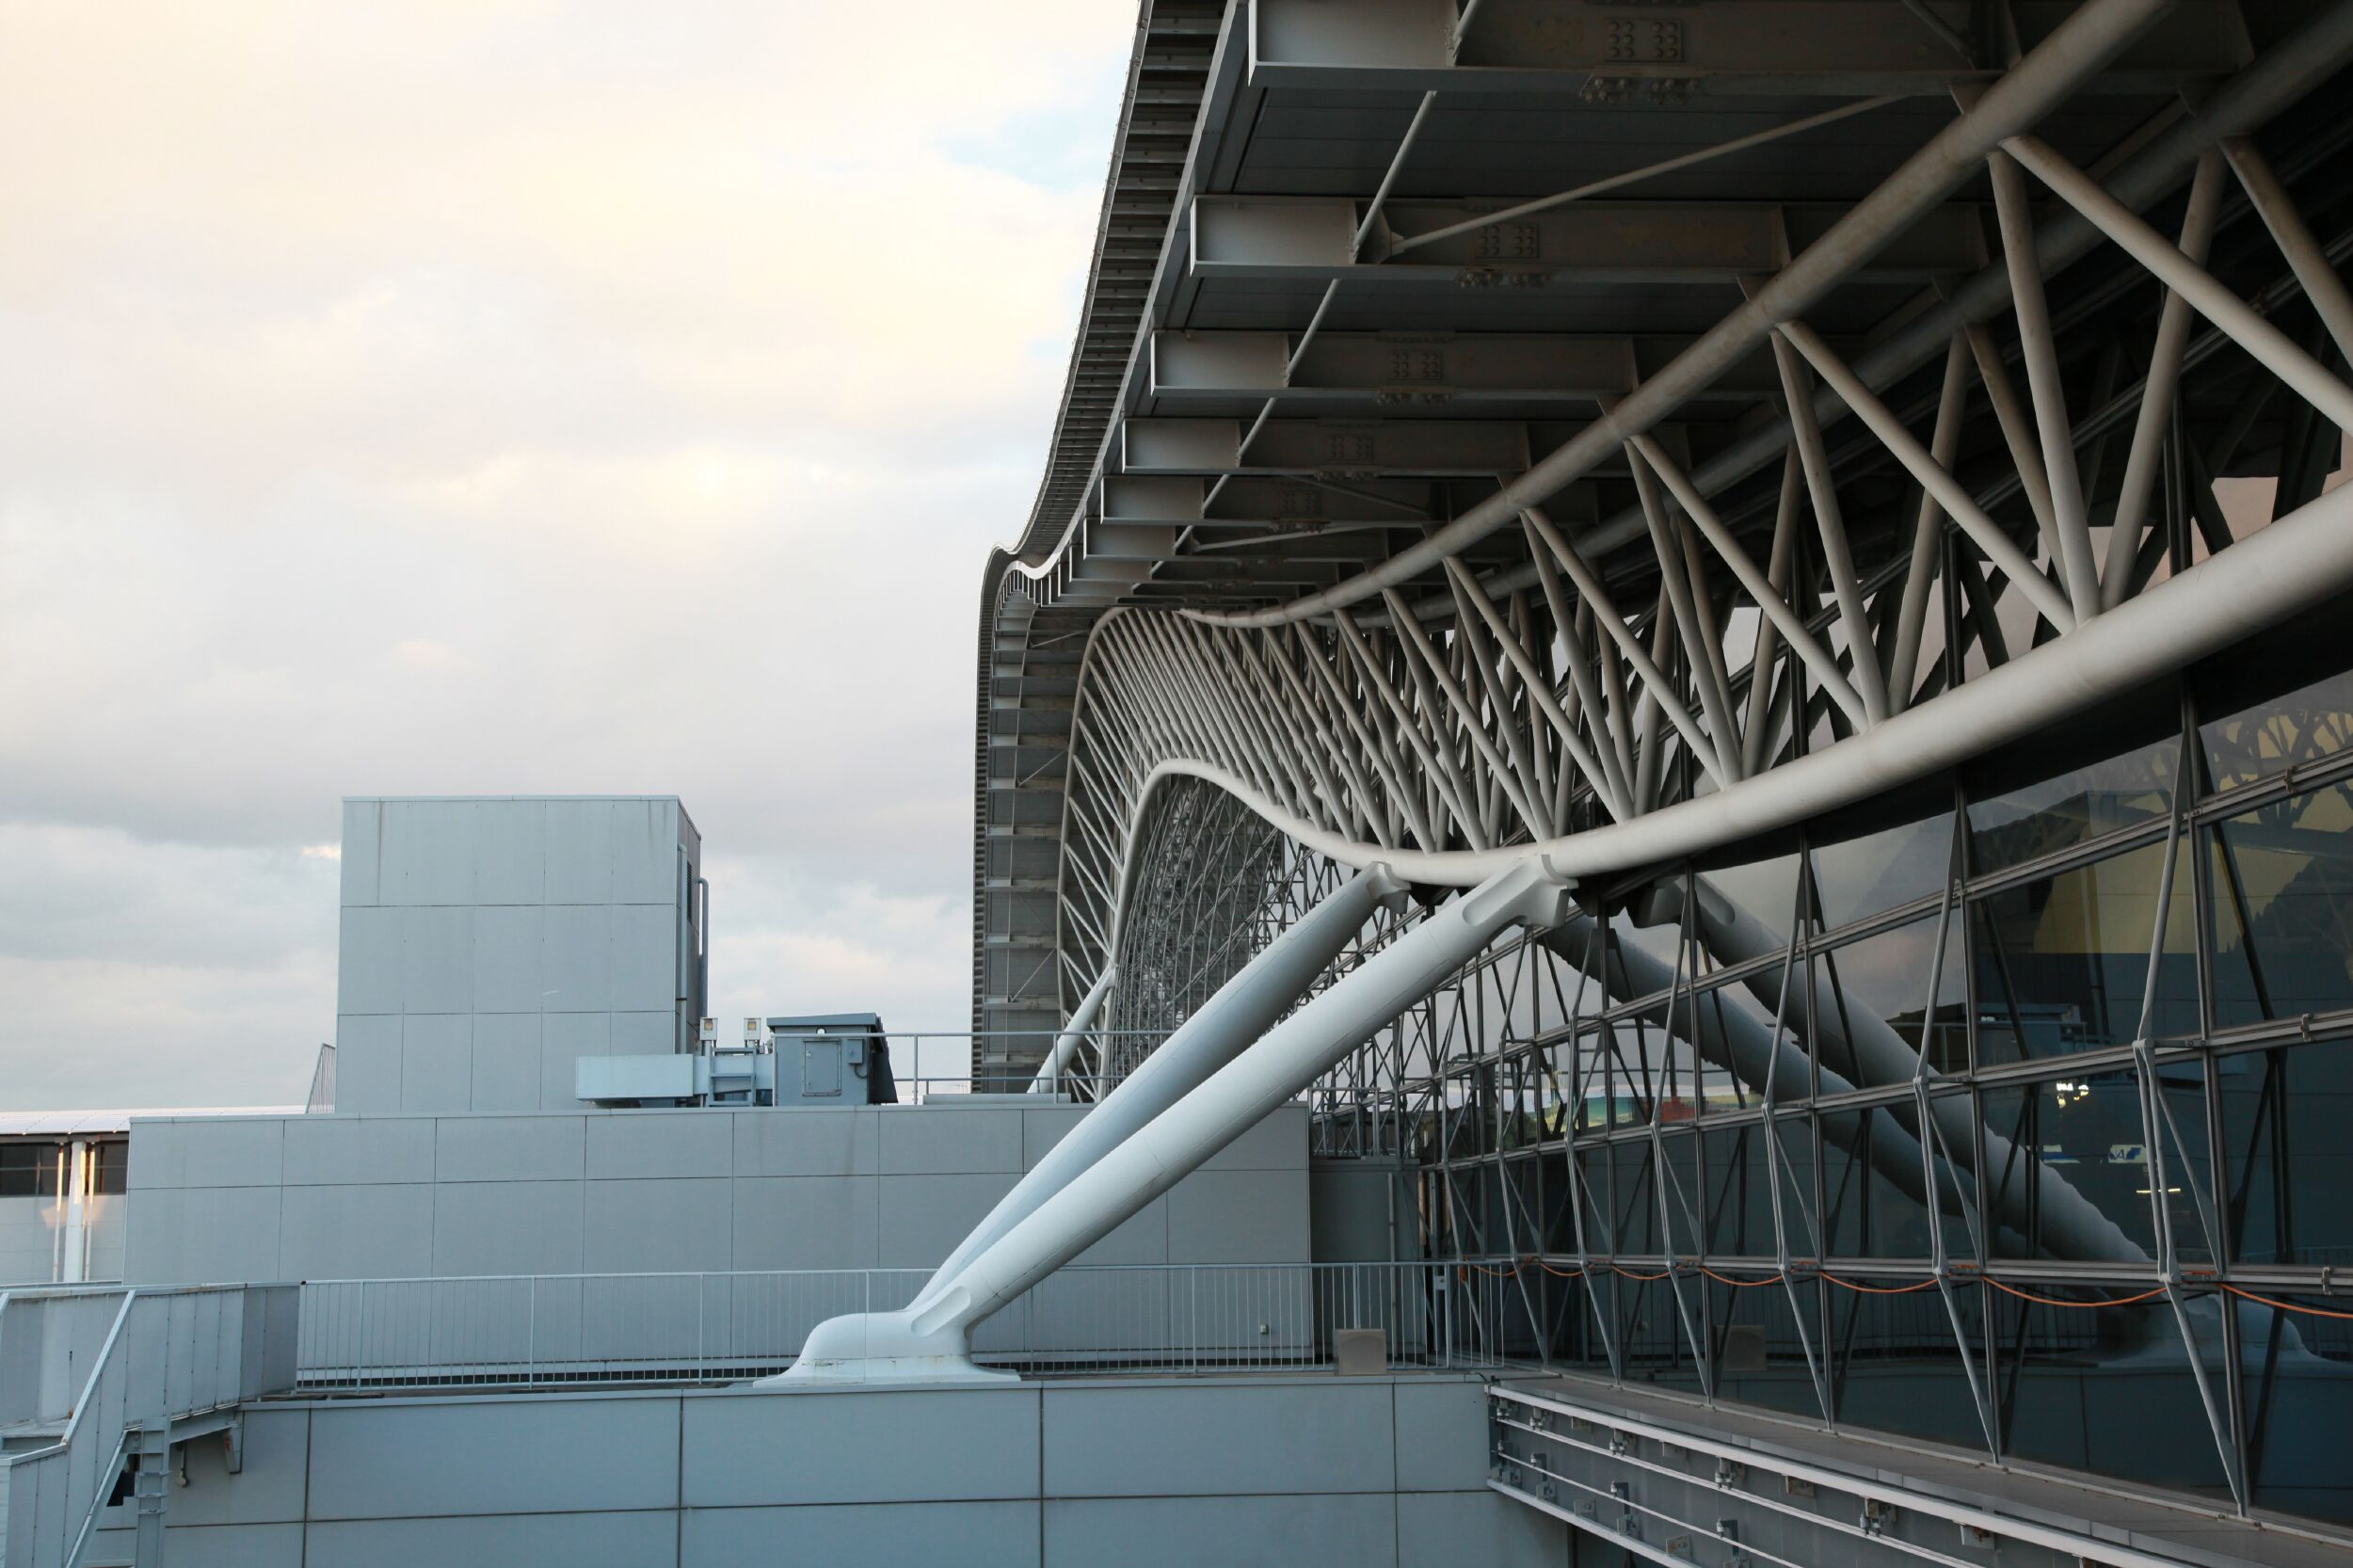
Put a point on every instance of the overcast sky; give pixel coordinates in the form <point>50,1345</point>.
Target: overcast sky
<point>506,398</point>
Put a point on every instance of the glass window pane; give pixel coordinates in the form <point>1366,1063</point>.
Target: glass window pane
<point>1746,910</point>
<point>1856,878</point>
<point>1739,1205</point>
<point>1870,1007</point>
<point>2261,731</point>
<point>1872,1178</point>
<point>1897,1366</point>
<point>2073,1182</point>
<point>2282,878</point>
<point>2106,1389</point>
<point>2288,1162</point>
<point>2071,808</point>
<point>2061,962</point>
<point>1759,1336</point>
<point>2300,1370</point>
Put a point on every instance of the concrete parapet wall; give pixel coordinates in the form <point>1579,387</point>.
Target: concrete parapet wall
<point>1300,1472</point>
<point>225,1199</point>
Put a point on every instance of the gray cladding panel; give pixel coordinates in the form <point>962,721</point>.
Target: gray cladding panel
<point>1238,1217</point>
<point>1277,1143</point>
<point>952,1535</point>
<point>678,1225</point>
<point>576,959</point>
<point>580,852</point>
<point>859,1446</point>
<point>644,845</point>
<point>928,1140</point>
<point>269,1490</point>
<point>792,1142</point>
<point>224,1152</point>
<point>510,852</point>
<point>435,1061</point>
<point>1290,1531</point>
<point>564,1039</point>
<point>661,1143</point>
<point>924,1217</point>
<point>508,1541</point>
<point>212,1545</point>
<point>375,1232</point>
<point>506,1061</point>
<point>807,1222</point>
<point>367,1062</point>
<point>343,1149</point>
<point>361,851</point>
<point>1218,1440</point>
<point>510,1148</point>
<point>203,1236</point>
<point>507,943</point>
<point>1442,1530</point>
<point>428,852</point>
<point>1441,1436</point>
<point>644,967</point>
<point>436,959</point>
<point>519,1456</point>
<point>367,960</point>
<point>508,1227</point>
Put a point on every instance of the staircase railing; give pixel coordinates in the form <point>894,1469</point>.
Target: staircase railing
<point>175,1360</point>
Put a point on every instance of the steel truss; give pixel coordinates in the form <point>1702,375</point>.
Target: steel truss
<point>1993,513</point>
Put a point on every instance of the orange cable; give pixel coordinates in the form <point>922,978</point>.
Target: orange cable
<point>1741,1284</point>
<point>2287,1306</point>
<point>2053,1300</point>
<point>1878,1289</point>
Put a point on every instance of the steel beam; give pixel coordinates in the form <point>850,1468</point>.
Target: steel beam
<point>1313,239</point>
<point>1407,373</point>
<point>1662,55</point>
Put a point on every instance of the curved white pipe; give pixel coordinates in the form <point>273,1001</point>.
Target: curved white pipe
<point>931,1341</point>
<point>1066,1044</point>
<point>1240,1011</point>
<point>2300,560</point>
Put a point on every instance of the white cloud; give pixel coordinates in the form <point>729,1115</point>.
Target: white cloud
<point>509,398</point>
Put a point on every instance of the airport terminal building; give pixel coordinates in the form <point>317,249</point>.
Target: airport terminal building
<point>1663,872</point>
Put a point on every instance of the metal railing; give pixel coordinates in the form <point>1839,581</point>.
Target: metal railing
<point>168,1355</point>
<point>525,1331</point>
<point>50,1336</point>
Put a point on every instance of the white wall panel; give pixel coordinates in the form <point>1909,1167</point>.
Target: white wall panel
<point>505,960</point>
<point>678,1225</point>
<point>510,1148</point>
<point>505,1061</point>
<point>367,961</point>
<point>576,959</point>
<point>510,852</point>
<point>807,1222</point>
<point>580,852</point>
<point>435,1061</point>
<point>436,959</point>
<point>495,1457</point>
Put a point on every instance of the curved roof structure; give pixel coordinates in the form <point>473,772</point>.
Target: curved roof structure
<point>1495,426</point>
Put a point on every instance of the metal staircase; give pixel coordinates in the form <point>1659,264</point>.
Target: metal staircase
<point>119,1377</point>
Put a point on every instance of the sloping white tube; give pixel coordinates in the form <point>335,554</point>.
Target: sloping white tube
<point>2071,1225</point>
<point>930,1342</point>
<point>1243,1008</point>
<point>1066,1044</point>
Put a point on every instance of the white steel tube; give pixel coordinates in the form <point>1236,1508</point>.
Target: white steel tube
<point>2272,348</point>
<point>2077,47</point>
<point>2157,388</point>
<point>1066,1044</point>
<point>1242,1009</point>
<point>2300,560</point>
<point>930,1342</point>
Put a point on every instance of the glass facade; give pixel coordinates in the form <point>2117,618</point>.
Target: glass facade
<point>2015,1116</point>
